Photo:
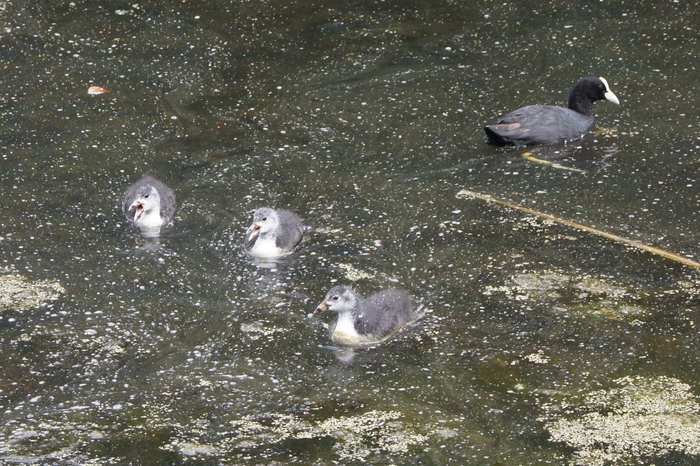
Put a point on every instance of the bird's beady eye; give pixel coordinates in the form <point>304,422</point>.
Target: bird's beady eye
<point>335,298</point>
<point>264,219</point>
<point>146,196</point>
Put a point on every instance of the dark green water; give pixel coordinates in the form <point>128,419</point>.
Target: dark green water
<point>366,119</point>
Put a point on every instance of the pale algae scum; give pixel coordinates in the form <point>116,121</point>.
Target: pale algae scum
<point>540,344</point>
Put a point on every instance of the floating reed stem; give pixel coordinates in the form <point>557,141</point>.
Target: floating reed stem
<point>635,244</point>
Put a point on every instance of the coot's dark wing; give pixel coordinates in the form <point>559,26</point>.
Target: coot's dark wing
<point>539,124</point>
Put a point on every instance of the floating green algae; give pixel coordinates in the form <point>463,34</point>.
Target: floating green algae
<point>354,438</point>
<point>639,418</point>
<point>354,274</point>
<point>21,294</point>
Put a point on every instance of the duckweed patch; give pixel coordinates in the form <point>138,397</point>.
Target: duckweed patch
<point>690,287</point>
<point>355,438</point>
<point>353,274</point>
<point>256,330</point>
<point>21,294</point>
<point>639,418</point>
<point>537,358</point>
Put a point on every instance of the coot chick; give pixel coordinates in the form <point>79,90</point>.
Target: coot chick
<point>149,203</point>
<point>273,233</point>
<point>547,124</point>
<point>367,321</point>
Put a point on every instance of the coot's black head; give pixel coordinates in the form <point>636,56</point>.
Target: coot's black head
<point>588,90</point>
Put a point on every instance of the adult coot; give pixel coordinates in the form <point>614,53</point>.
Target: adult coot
<point>367,321</point>
<point>273,233</point>
<point>547,124</point>
<point>149,203</point>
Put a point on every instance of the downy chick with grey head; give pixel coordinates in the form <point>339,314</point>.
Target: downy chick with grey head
<point>149,203</point>
<point>367,321</point>
<point>273,233</point>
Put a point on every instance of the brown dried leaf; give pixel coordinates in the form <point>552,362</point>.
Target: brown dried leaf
<point>96,90</point>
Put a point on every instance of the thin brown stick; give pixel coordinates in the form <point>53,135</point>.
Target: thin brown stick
<point>532,158</point>
<point>635,244</point>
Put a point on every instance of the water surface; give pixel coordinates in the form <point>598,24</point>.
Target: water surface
<point>366,119</point>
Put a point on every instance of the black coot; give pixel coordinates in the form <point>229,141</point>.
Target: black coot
<point>546,124</point>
